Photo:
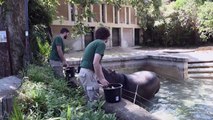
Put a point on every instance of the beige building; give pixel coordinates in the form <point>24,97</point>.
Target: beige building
<point>122,23</point>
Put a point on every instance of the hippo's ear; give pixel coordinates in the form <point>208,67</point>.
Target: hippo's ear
<point>113,72</point>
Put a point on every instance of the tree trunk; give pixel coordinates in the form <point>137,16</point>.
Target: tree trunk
<point>12,19</point>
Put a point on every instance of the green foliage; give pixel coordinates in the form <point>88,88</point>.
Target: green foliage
<point>44,48</point>
<point>85,12</point>
<point>39,73</point>
<point>17,113</point>
<point>183,23</point>
<point>40,43</point>
<point>180,31</point>
<point>42,11</point>
<point>147,11</point>
<point>177,27</point>
<point>205,18</point>
<point>1,2</point>
<point>41,15</point>
<point>201,13</point>
<point>180,3</point>
<point>43,96</point>
<point>69,115</point>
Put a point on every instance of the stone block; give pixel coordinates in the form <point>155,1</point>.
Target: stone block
<point>126,110</point>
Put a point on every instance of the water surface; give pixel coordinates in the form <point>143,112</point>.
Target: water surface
<point>186,100</point>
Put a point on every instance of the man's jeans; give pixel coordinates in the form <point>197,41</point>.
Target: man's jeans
<point>57,68</point>
<point>89,83</point>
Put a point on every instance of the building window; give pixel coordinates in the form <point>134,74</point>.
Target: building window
<point>103,12</point>
<point>72,12</point>
<point>116,14</point>
<point>127,15</point>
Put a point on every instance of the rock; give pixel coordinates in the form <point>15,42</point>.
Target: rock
<point>8,87</point>
<point>126,110</point>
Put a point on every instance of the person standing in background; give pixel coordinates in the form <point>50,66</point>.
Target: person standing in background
<point>57,60</point>
<point>91,73</point>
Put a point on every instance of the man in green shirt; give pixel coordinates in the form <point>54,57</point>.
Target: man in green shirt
<point>91,73</point>
<point>57,60</point>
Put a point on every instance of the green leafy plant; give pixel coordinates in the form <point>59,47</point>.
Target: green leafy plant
<point>1,2</point>
<point>177,27</point>
<point>69,115</point>
<point>46,97</point>
<point>205,17</point>
<point>41,15</point>
<point>17,113</point>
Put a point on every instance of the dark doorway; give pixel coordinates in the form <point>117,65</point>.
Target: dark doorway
<point>137,36</point>
<point>116,37</point>
<point>89,37</point>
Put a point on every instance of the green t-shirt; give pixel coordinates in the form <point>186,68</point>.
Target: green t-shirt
<point>97,46</point>
<point>58,41</point>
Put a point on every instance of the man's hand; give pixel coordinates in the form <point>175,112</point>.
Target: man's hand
<point>65,64</point>
<point>104,82</point>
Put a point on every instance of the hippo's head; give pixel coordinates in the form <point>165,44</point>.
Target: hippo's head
<point>113,77</point>
<point>148,83</point>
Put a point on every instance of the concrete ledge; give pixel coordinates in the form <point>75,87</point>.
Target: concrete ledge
<point>123,58</point>
<point>126,110</point>
<point>171,67</point>
<point>167,58</point>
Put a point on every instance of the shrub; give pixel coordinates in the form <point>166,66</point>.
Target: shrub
<point>17,113</point>
<point>178,28</point>
<point>40,73</point>
<point>178,31</point>
<point>205,17</point>
<point>40,43</point>
<point>44,97</point>
<point>180,3</point>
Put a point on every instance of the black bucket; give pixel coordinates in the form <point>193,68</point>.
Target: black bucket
<point>70,72</point>
<point>113,92</point>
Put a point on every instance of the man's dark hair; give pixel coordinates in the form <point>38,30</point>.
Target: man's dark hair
<point>63,30</point>
<point>102,33</point>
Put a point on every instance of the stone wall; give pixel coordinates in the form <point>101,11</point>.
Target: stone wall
<point>125,65</point>
<point>169,67</point>
<point>127,40</point>
<point>62,10</point>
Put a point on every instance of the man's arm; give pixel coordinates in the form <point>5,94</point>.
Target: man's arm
<point>61,55</point>
<point>98,70</point>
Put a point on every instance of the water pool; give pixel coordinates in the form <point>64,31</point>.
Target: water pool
<point>187,100</point>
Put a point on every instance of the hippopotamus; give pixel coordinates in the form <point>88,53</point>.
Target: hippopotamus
<point>145,83</point>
